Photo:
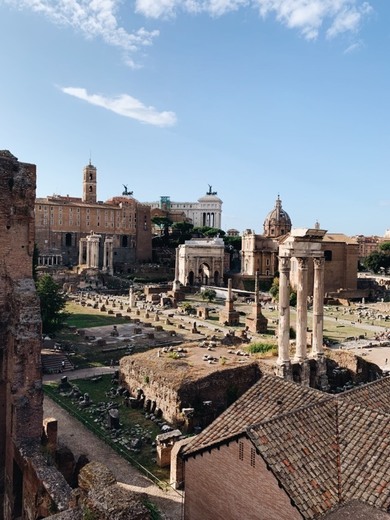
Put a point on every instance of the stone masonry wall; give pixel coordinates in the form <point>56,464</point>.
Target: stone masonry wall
<point>208,395</point>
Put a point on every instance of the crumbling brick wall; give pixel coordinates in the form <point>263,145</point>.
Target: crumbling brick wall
<point>21,394</point>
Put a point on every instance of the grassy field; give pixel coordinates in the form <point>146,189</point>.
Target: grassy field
<point>133,422</point>
<point>86,317</point>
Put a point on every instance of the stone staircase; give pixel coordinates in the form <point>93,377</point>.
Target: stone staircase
<point>55,362</point>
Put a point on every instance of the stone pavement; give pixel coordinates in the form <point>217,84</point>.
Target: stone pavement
<point>80,440</point>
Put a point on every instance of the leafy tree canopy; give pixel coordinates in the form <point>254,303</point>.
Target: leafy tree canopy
<point>377,261</point>
<point>183,228</point>
<point>163,223</point>
<point>52,303</point>
<point>209,231</point>
<point>209,295</point>
<point>274,290</point>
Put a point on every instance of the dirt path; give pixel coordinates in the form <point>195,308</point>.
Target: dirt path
<point>76,437</point>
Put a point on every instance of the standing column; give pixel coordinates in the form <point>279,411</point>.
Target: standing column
<point>301,342</point>
<point>176,282</point>
<point>284,311</point>
<point>81,250</point>
<point>95,254</point>
<point>105,255</point>
<point>88,262</point>
<point>111,256</point>
<point>318,307</point>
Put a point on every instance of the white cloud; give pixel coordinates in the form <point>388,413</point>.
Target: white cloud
<point>354,47</point>
<point>93,18</point>
<point>307,16</point>
<point>126,106</point>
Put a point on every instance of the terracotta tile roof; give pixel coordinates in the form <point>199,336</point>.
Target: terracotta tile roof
<point>364,437</point>
<point>269,397</point>
<point>302,451</point>
<point>324,450</point>
<point>375,396</point>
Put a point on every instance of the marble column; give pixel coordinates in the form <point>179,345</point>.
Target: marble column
<point>318,307</point>
<point>88,254</point>
<point>284,311</point>
<point>176,281</point>
<point>301,338</point>
<point>94,252</point>
<point>81,250</point>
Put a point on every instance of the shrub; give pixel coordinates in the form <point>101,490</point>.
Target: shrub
<point>260,348</point>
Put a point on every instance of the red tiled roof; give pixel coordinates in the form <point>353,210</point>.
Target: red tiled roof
<point>269,397</point>
<point>364,437</point>
<point>302,451</point>
<point>324,450</point>
<point>375,396</point>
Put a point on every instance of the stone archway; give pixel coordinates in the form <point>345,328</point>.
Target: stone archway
<point>204,274</point>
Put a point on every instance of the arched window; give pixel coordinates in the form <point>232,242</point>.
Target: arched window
<point>124,241</point>
<point>68,240</point>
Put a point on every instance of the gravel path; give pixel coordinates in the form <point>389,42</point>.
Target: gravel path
<point>80,440</point>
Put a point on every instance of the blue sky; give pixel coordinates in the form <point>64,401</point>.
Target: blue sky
<point>255,97</point>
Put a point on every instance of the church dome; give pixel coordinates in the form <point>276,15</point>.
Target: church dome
<point>277,222</point>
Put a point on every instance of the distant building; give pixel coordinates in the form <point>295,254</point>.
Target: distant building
<point>61,222</point>
<point>207,211</point>
<point>367,245</point>
<point>259,253</point>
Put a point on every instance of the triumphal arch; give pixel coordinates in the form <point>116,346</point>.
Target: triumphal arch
<point>201,261</point>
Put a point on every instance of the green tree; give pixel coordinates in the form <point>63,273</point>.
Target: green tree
<point>377,261</point>
<point>209,231</point>
<point>209,295</point>
<point>274,290</point>
<point>183,228</point>
<point>53,303</point>
<point>163,223</point>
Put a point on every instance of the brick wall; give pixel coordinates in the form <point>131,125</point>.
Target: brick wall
<point>232,483</point>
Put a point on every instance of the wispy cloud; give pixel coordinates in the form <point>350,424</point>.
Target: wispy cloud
<point>354,47</point>
<point>92,18</point>
<point>126,106</point>
<point>307,16</point>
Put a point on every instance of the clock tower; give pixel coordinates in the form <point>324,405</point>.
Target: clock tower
<point>89,184</point>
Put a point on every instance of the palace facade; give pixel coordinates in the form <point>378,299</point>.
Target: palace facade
<point>61,223</point>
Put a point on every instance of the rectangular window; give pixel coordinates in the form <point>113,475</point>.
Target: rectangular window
<point>253,457</point>
<point>241,450</point>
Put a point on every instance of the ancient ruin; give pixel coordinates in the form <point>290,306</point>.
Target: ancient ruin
<point>28,486</point>
<point>301,244</point>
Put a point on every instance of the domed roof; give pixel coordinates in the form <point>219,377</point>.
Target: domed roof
<point>277,222</point>
<point>211,196</point>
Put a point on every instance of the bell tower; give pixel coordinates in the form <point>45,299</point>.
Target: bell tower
<point>89,184</point>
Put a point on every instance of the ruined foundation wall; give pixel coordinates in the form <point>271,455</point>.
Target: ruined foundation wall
<point>169,394</point>
<point>361,371</point>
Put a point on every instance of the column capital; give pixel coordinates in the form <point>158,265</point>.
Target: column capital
<point>284,263</point>
<point>302,262</point>
<point>319,262</point>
